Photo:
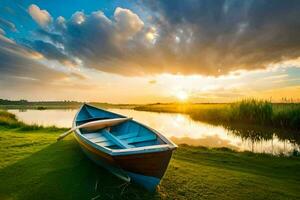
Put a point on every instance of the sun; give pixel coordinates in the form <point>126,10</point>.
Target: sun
<point>182,95</point>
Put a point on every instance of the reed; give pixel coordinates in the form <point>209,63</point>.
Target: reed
<point>288,117</point>
<point>255,112</point>
<point>251,111</point>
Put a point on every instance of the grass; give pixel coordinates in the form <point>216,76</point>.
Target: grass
<point>249,111</point>
<point>34,166</point>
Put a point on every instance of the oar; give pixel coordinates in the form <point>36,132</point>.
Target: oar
<point>94,125</point>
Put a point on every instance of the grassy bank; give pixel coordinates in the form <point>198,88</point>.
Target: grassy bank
<point>34,166</point>
<point>42,105</point>
<point>253,112</point>
<point>247,112</point>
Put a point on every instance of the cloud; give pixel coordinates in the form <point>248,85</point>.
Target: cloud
<point>45,35</point>
<point>216,37</point>
<point>97,40</point>
<point>7,24</point>
<point>195,37</point>
<point>42,17</point>
<point>127,22</point>
<point>52,52</point>
<point>22,75</point>
<point>19,65</point>
<point>2,32</point>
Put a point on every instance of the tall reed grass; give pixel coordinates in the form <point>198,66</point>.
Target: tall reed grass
<point>253,111</point>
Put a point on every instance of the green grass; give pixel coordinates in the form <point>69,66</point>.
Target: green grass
<point>249,111</point>
<point>34,166</point>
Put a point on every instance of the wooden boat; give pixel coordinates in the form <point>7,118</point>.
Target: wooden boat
<point>130,150</point>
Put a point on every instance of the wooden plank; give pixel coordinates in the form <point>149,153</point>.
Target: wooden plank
<point>92,135</point>
<point>91,119</point>
<point>106,143</point>
<point>99,139</point>
<point>116,140</point>
<point>126,136</point>
<point>140,139</point>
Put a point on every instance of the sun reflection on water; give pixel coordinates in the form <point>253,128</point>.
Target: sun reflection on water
<point>181,129</point>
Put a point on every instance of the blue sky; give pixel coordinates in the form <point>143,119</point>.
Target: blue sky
<point>150,51</point>
<point>16,11</point>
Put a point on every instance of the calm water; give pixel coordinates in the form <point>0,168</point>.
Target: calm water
<point>182,129</point>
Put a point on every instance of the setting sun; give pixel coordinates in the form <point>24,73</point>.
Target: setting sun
<point>182,95</point>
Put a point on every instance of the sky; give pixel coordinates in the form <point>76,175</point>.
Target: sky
<point>150,51</point>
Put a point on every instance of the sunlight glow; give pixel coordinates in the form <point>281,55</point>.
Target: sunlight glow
<point>152,35</point>
<point>182,95</point>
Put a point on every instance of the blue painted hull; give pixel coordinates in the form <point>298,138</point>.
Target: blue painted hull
<point>116,167</point>
<point>148,182</point>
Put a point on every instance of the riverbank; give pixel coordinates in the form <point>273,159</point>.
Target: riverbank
<point>34,166</point>
<point>43,105</point>
<point>251,112</point>
<point>247,112</point>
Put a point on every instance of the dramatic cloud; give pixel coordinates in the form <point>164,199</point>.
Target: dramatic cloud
<point>52,52</point>
<point>127,23</point>
<point>19,64</point>
<point>216,37</point>
<point>96,40</point>
<point>42,17</point>
<point>194,37</point>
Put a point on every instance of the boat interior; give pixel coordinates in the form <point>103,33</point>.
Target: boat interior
<point>129,134</point>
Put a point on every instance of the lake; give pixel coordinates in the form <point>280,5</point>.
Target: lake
<point>181,129</point>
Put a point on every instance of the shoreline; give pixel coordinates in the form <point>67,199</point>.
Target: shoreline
<point>285,116</point>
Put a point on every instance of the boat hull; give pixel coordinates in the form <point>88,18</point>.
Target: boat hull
<point>146,169</point>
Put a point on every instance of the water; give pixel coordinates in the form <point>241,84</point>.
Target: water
<point>181,129</point>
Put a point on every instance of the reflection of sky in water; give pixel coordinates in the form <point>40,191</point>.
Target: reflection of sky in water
<point>180,128</point>
<point>60,118</point>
